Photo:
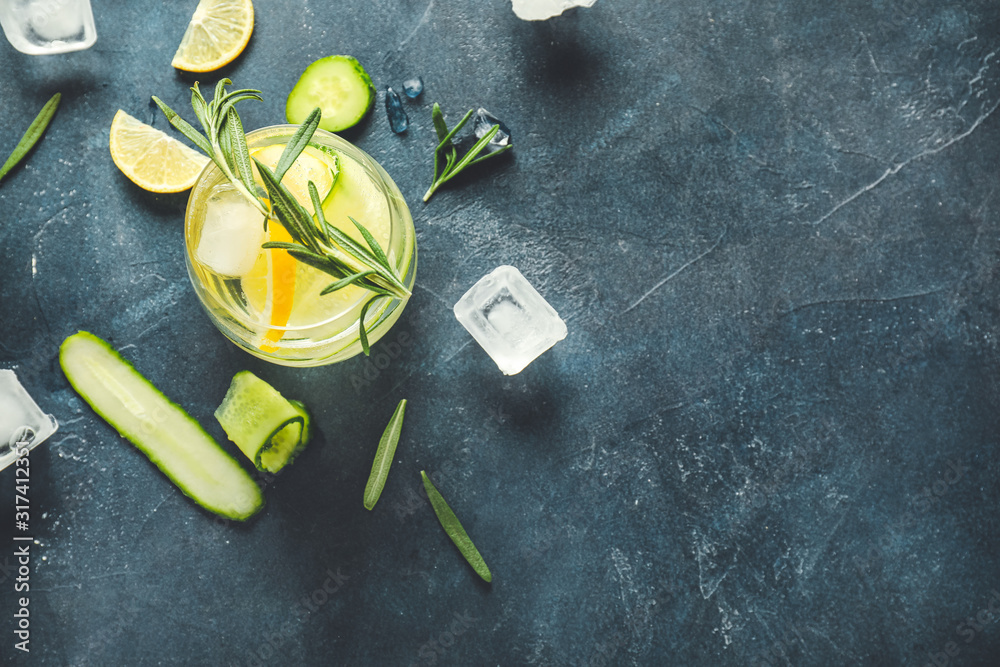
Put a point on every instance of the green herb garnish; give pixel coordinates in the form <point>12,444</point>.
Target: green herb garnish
<point>32,135</point>
<point>447,152</point>
<point>453,527</point>
<point>316,242</point>
<point>383,456</point>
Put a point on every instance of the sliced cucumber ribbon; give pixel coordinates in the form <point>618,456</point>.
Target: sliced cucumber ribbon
<point>270,429</point>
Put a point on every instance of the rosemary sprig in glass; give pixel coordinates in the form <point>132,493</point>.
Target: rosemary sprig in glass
<point>447,152</point>
<point>315,242</point>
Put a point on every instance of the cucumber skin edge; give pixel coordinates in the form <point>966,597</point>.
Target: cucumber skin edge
<point>302,418</point>
<point>362,74</point>
<point>102,343</point>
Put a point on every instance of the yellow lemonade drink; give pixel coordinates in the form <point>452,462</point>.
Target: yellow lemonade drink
<point>270,303</point>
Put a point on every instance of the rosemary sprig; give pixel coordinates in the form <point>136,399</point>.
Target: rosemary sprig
<point>32,134</point>
<point>447,152</point>
<point>383,457</point>
<point>221,135</point>
<point>315,242</point>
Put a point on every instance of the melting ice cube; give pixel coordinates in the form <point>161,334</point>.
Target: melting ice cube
<point>509,319</point>
<point>398,120</point>
<point>23,425</point>
<point>413,87</point>
<point>481,124</point>
<point>232,234</point>
<point>539,10</point>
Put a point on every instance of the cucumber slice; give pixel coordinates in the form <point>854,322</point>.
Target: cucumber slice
<point>306,421</point>
<point>339,86</point>
<point>267,427</point>
<point>160,428</point>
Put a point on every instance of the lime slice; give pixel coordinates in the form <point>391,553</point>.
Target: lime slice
<point>267,427</point>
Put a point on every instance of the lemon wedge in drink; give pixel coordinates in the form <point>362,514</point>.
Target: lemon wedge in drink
<point>271,285</point>
<point>217,34</point>
<point>152,159</point>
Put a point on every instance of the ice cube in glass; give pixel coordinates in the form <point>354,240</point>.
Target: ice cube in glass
<point>512,322</point>
<point>232,235</point>
<point>23,425</point>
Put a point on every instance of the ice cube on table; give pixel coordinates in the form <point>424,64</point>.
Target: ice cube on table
<point>481,124</point>
<point>398,120</point>
<point>38,27</point>
<point>232,234</point>
<point>413,87</point>
<point>21,420</point>
<point>540,10</point>
<point>509,319</point>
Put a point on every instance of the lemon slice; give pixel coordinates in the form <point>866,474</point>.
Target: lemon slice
<point>151,159</point>
<point>217,33</point>
<point>311,165</point>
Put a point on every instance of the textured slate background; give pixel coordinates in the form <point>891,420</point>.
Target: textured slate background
<point>770,437</point>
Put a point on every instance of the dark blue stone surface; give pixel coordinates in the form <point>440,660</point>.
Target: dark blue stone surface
<point>771,437</point>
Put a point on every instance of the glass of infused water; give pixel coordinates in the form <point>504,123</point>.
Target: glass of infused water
<point>266,301</point>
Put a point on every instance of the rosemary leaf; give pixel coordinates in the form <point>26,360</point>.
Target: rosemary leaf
<point>240,152</point>
<point>372,243</point>
<point>362,332</point>
<point>200,107</point>
<point>439,125</point>
<point>32,134</point>
<point>448,137</point>
<point>320,218</point>
<point>289,211</point>
<point>490,154</point>
<point>220,92</point>
<point>344,282</point>
<point>297,143</point>
<point>184,127</point>
<point>226,147</point>
<point>383,457</point>
<point>384,276</point>
<point>318,262</point>
<point>455,531</point>
<point>232,98</point>
<point>474,151</point>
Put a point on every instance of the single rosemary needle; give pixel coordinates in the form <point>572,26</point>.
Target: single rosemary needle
<point>453,527</point>
<point>32,135</point>
<point>383,456</point>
